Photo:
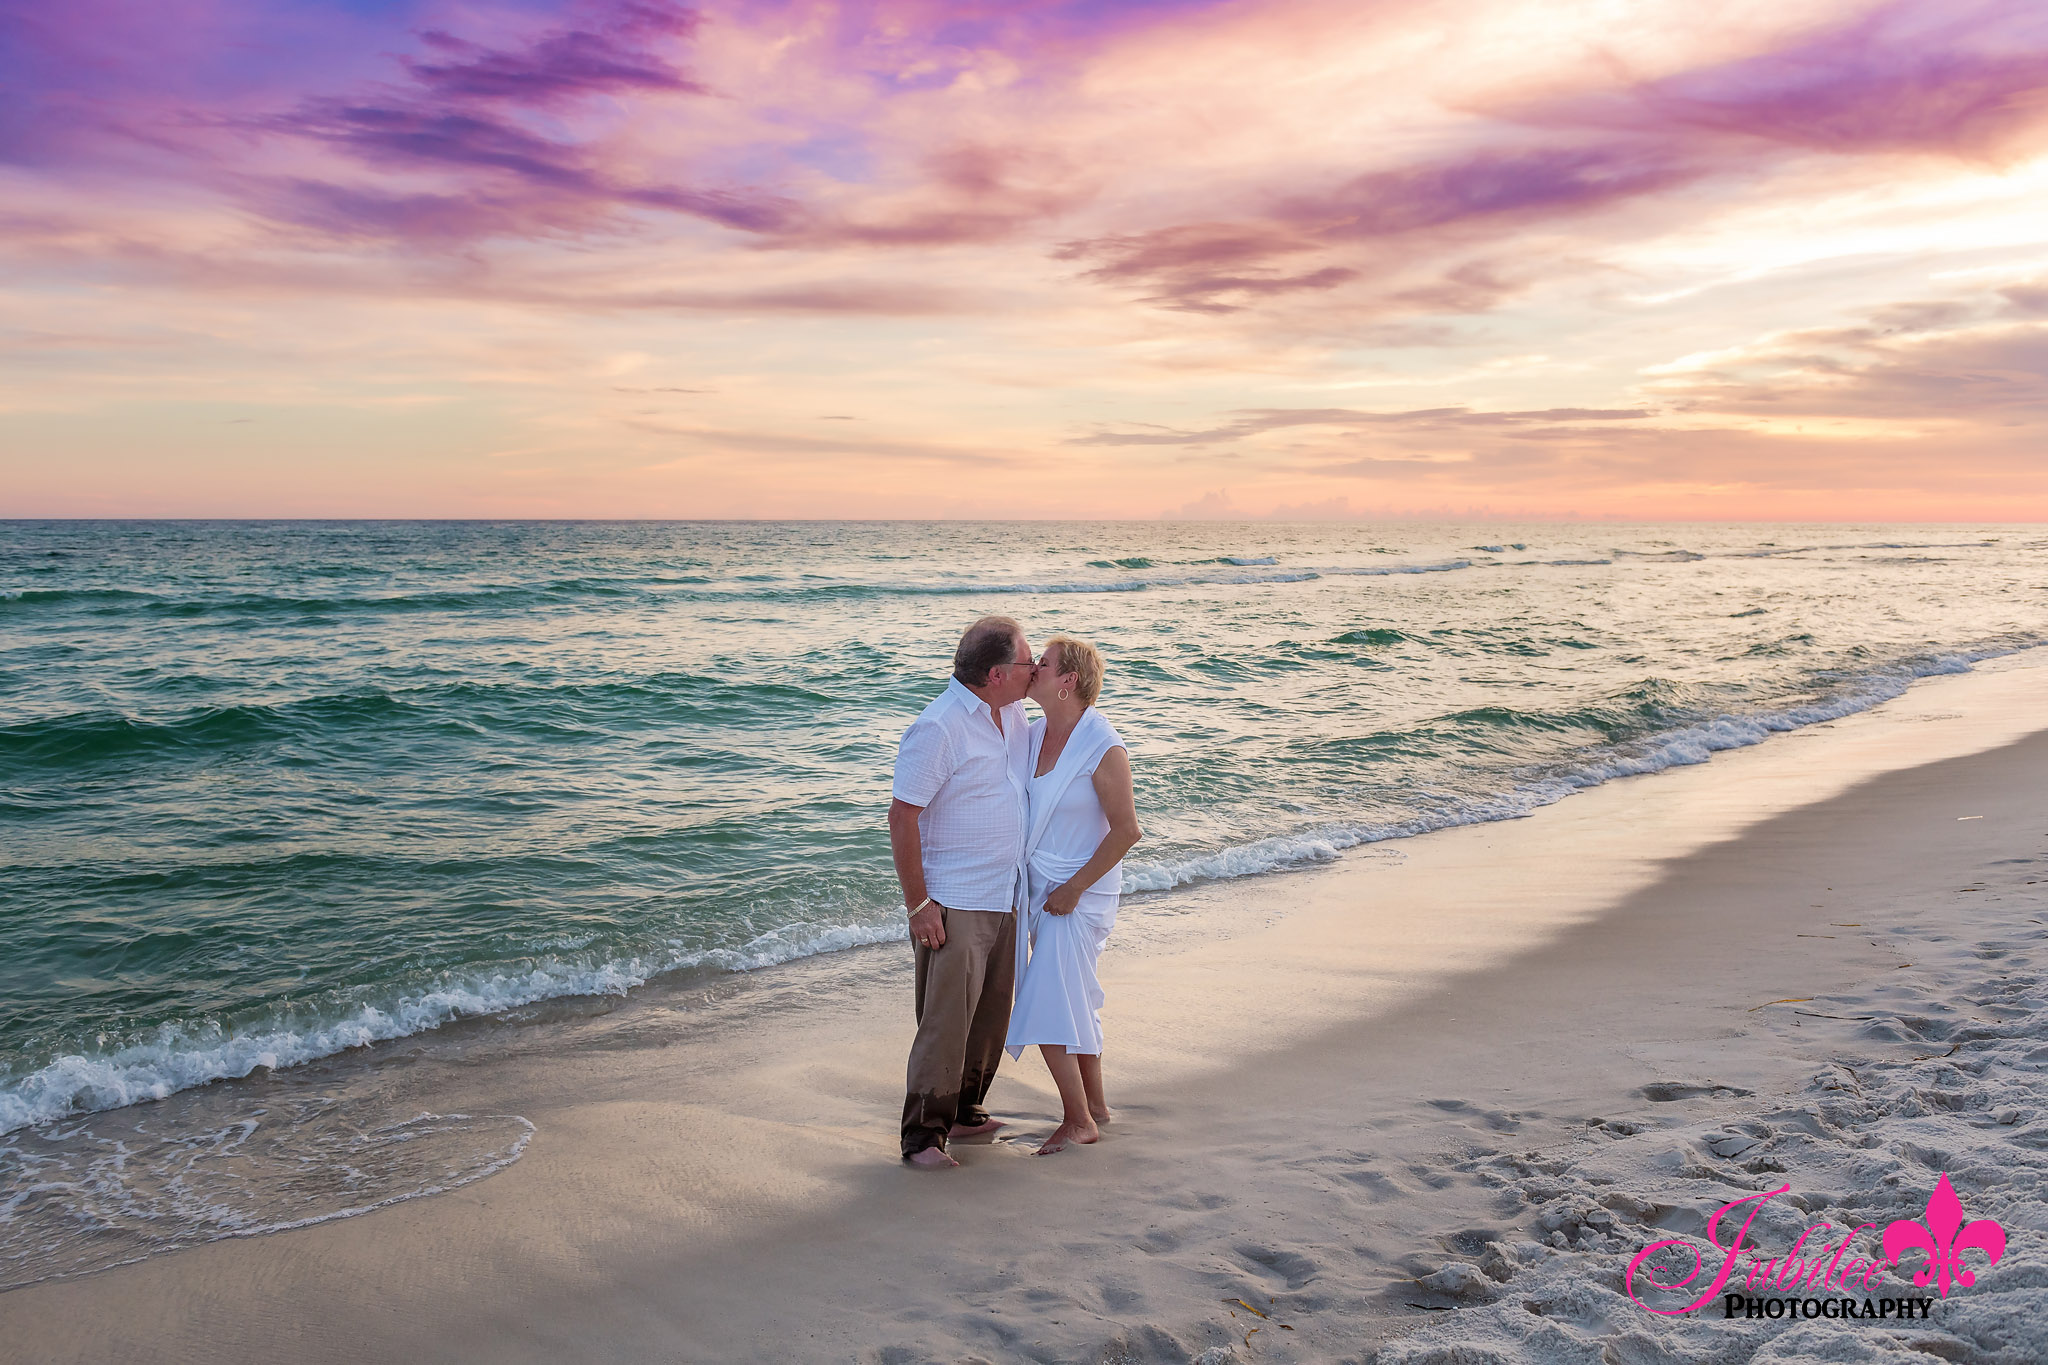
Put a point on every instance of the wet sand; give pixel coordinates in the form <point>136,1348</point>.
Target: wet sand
<point>1331,1085</point>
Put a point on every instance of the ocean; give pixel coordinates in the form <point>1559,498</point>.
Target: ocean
<point>273,790</point>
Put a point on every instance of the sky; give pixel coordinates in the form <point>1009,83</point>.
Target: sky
<point>1302,259</point>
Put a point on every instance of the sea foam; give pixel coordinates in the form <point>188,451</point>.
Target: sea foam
<point>1690,744</point>
<point>179,1057</point>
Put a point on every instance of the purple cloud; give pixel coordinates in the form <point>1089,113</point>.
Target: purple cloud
<point>570,201</point>
<point>512,180</point>
<point>610,57</point>
<point>1951,77</point>
<point>420,134</point>
<point>1222,267</point>
<point>2026,300</point>
<point>1204,267</point>
<point>1489,185</point>
<point>464,118</point>
<point>1190,248</point>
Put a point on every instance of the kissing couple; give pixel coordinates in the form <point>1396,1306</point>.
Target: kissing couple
<point>1009,840</point>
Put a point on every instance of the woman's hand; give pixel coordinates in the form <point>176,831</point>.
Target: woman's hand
<point>1062,899</point>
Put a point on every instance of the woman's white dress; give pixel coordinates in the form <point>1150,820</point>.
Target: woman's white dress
<point>1058,997</point>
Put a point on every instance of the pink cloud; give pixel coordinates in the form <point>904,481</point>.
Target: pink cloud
<point>1984,376</point>
<point>788,447</point>
<point>963,192</point>
<point>1203,267</point>
<point>1261,420</point>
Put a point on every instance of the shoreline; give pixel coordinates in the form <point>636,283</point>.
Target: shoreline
<point>711,1176</point>
<point>146,1073</point>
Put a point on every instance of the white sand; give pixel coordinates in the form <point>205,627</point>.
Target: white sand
<point>1333,1086</point>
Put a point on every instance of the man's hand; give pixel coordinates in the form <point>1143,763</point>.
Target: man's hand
<point>928,926</point>
<point>1062,899</point>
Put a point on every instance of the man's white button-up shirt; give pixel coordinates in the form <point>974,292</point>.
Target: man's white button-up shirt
<point>971,782</point>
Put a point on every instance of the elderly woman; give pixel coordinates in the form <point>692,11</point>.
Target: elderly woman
<point>1082,821</point>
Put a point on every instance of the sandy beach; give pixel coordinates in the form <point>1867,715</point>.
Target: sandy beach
<point>1422,1104</point>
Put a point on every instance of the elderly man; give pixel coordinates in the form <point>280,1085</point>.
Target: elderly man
<point>956,827</point>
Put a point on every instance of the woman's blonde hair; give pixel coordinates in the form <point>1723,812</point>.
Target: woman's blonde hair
<point>1081,659</point>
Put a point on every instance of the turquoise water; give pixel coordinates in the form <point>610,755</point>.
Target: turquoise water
<point>271,790</point>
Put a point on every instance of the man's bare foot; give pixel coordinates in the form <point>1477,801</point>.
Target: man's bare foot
<point>1069,1133</point>
<point>982,1129</point>
<point>932,1158</point>
<point>1102,1115</point>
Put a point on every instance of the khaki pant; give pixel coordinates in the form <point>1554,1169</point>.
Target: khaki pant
<point>963,1015</point>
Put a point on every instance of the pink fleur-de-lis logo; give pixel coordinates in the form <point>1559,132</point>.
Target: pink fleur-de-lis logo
<point>1940,1238</point>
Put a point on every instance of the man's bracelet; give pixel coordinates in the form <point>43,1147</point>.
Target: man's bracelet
<point>921,905</point>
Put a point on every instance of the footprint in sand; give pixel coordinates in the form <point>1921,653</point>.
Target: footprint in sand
<point>1663,1092</point>
<point>1291,1267</point>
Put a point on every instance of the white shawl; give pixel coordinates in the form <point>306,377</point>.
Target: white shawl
<point>1092,738</point>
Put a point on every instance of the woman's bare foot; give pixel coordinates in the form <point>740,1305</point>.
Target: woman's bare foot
<point>932,1158</point>
<point>1069,1133</point>
<point>963,1130</point>
<point>1103,1114</point>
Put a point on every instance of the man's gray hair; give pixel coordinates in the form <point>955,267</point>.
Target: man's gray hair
<point>990,641</point>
